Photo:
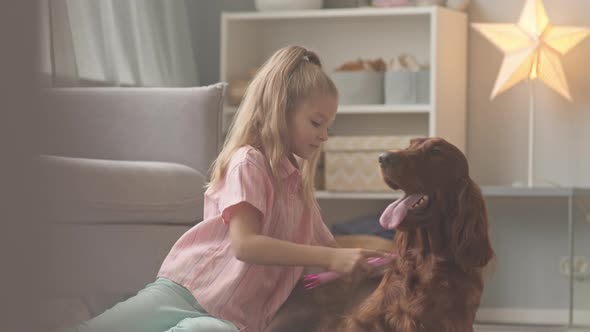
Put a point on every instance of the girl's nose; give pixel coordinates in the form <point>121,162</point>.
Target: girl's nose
<point>324,135</point>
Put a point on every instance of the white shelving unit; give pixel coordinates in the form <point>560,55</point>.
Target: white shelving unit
<point>341,35</point>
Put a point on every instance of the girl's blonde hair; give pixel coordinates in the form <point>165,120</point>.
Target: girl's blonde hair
<point>289,76</point>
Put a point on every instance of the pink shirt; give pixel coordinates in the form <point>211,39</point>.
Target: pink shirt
<point>202,260</point>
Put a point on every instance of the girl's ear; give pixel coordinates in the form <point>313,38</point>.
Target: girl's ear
<point>469,230</point>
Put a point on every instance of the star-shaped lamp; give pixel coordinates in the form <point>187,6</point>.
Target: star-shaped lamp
<point>532,50</point>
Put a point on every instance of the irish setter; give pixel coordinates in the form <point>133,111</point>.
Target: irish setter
<point>435,283</point>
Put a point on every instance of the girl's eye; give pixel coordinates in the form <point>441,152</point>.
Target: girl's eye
<point>315,124</point>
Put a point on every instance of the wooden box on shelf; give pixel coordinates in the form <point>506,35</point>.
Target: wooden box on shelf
<point>352,162</point>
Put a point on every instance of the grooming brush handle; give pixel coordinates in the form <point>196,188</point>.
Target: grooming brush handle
<point>314,280</point>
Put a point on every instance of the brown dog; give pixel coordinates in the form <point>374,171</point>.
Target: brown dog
<point>435,283</point>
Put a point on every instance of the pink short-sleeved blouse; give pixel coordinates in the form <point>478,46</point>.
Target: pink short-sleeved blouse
<point>202,260</point>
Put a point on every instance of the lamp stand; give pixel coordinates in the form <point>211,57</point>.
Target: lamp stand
<point>531,131</point>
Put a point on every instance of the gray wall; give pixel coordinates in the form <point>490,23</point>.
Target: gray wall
<point>497,131</point>
<point>204,18</point>
<point>530,236</point>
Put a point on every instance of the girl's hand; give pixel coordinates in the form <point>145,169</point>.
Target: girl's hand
<point>348,260</point>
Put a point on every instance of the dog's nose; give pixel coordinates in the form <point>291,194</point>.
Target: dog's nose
<point>388,159</point>
<point>382,158</point>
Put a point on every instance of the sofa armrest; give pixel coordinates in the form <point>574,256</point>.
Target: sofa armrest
<point>178,125</point>
<point>80,190</point>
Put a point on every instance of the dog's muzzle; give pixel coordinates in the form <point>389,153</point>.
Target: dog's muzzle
<point>389,159</point>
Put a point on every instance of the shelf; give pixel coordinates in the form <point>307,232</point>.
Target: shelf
<point>488,191</point>
<point>383,109</point>
<point>506,191</point>
<point>333,13</point>
<point>366,109</point>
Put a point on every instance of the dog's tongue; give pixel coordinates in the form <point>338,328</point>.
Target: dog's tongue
<point>395,213</point>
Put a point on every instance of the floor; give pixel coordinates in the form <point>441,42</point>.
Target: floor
<point>522,328</point>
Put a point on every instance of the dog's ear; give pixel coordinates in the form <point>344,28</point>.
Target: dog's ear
<point>469,230</point>
<point>417,141</point>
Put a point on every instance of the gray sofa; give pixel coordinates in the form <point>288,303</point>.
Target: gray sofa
<point>123,171</point>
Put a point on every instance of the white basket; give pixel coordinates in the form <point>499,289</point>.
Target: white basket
<point>407,87</point>
<point>359,87</point>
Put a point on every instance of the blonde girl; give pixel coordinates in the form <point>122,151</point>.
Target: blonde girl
<point>262,226</point>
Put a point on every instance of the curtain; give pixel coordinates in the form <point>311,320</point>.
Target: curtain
<point>117,42</point>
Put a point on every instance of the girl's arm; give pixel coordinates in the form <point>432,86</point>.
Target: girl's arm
<point>251,247</point>
<point>334,244</point>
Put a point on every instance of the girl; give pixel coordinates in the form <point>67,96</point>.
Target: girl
<point>262,225</point>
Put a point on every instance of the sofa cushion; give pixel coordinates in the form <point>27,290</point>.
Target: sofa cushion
<point>81,190</point>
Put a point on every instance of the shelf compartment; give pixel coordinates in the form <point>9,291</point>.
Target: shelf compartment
<point>384,109</point>
<point>365,109</point>
<point>383,124</point>
<point>347,13</point>
<point>248,39</point>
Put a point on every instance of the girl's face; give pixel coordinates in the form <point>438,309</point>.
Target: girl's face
<point>309,122</point>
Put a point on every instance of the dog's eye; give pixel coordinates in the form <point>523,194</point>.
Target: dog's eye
<point>435,151</point>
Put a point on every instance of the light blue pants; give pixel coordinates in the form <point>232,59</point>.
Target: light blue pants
<point>161,306</point>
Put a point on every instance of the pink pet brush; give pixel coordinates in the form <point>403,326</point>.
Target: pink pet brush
<point>314,280</point>
<point>390,219</point>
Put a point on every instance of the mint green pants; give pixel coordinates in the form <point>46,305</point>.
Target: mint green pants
<point>161,306</point>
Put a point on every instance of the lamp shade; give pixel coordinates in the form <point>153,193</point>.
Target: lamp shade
<point>532,49</point>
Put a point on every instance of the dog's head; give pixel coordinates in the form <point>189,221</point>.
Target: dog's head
<point>427,166</point>
<point>434,176</point>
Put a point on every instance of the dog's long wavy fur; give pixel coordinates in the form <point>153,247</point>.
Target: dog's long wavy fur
<point>436,282</point>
